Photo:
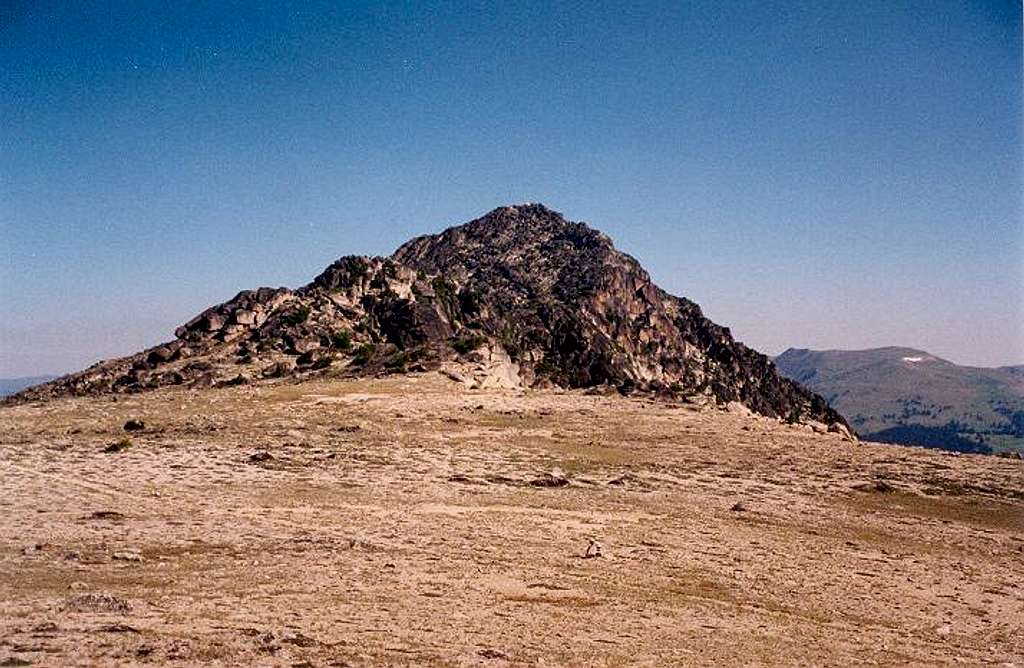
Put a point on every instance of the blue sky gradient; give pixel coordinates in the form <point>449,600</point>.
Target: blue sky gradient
<point>819,174</point>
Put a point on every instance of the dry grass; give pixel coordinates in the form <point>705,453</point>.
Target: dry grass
<point>393,521</point>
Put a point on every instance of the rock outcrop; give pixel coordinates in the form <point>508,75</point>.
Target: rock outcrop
<point>520,296</point>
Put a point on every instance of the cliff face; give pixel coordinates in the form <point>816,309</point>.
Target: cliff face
<point>546,300</point>
<point>575,311</point>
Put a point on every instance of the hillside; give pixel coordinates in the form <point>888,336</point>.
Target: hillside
<point>518,297</point>
<point>908,396</point>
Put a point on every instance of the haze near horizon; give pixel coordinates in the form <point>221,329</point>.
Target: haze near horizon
<point>817,176</point>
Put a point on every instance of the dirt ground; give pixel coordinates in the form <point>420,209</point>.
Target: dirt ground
<point>410,521</point>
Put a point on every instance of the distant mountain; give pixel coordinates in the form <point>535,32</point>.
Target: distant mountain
<point>518,297</point>
<point>10,386</point>
<point>908,396</point>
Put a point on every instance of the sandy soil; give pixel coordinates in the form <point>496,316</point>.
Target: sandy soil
<point>409,521</point>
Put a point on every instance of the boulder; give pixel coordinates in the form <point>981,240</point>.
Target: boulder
<point>160,355</point>
<point>213,322</point>
<point>304,345</point>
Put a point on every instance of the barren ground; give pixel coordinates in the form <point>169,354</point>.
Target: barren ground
<point>410,521</point>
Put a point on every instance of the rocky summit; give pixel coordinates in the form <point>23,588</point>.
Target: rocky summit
<point>518,297</point>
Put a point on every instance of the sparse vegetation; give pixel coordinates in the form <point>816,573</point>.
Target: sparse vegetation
<point>400,361</point>
<point>341,340</point>
<point>397,363</point>
<point>364,354</point>
<point>436,460</point>
<point>357,267</point>
<point>443,288</point>
<point>446,293</point>
<point>510,341</point>
<point>322,362</point>
<point>468,343</point>
<point>296,316</point>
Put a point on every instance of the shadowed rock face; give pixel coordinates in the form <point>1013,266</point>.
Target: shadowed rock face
<point>549,298</point>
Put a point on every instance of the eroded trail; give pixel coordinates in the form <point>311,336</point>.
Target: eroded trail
<point>408,521</point>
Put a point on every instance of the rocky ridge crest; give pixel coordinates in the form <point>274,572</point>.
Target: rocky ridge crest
<point>518,297</point>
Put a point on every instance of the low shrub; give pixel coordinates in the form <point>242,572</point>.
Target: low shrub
<point>364,353</point>
<point>468,343</point>
<point>297,315</point>
<point>341,340</point>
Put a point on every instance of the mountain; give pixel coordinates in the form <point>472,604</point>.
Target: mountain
<point>519,297</point>
<point>908,396</point>
<point>9,386</point>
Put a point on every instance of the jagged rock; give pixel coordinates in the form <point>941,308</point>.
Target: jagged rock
<point>204,380</point>
<point>302,346</point>
<point>118,446</point>
<point>842,430</point>
<point>106,515</point>
<point>160,355</point>
<point>407,323</point>
<point>817,427</point>
<point>455,376</point>
<point>555,479</point>
<point>299,639</point>
<point>528,297</point>
<point>278,370</point>
<point>118,628</point>
<point>876,486</point>
<point>96,602</point>
<point>127,555</point>
<point>212,322</point>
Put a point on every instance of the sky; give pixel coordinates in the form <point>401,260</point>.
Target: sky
<point>822,174</point>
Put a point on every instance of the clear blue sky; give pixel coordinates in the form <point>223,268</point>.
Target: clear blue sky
<point>815,174</point>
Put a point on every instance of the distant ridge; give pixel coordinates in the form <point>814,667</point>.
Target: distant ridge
<point>518,297</point>
<point>9,386</point>
<point>911,397</point>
